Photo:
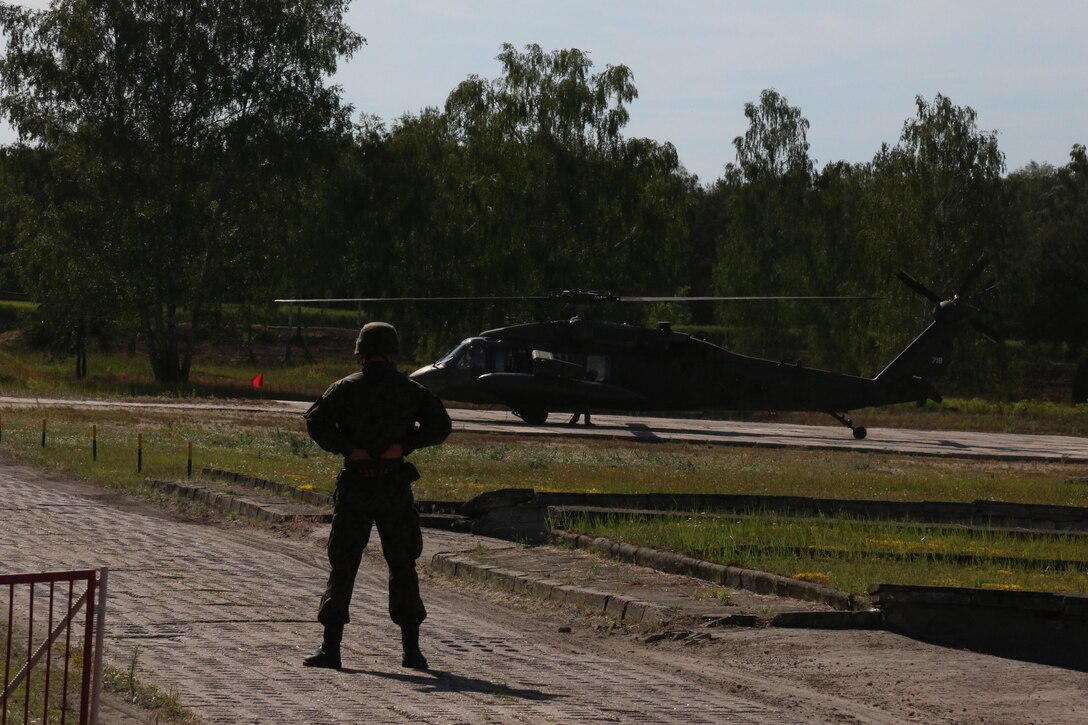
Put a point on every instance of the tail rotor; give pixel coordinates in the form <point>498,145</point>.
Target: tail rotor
<point>953,309</point>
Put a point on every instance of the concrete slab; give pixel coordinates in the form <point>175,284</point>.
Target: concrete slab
<point>628,592</point>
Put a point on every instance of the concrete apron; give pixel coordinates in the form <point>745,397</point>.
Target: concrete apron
<point>1031,626</point>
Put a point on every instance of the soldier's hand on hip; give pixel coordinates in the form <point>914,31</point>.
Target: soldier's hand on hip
<point>394,451</point>
<point>359,454</point>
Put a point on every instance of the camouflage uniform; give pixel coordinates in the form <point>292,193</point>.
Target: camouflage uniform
<point>372,410</point>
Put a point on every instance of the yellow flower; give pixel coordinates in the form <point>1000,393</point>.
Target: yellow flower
<point>947,583</point>
<point>817,577</point>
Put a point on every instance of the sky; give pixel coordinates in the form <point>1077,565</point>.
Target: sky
<point>853,67</point>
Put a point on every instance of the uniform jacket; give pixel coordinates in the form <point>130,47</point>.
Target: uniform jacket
<point>374,409</point>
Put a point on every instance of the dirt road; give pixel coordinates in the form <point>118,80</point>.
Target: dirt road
<point>223,616</point>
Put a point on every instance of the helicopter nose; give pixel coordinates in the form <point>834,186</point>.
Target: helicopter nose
<point>430,377</point>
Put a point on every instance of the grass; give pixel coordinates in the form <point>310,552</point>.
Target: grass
<point>275,446</point>
<point>23,371</point>
<point>685,468</point>
<point>851,554</point>
<point>30,698</point>
<point>975,414</point>
<point>162,706</point>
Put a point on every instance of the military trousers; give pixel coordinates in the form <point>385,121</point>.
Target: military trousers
<point>362,502</point>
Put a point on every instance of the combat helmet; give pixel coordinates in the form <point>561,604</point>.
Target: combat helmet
<point>377,338</point>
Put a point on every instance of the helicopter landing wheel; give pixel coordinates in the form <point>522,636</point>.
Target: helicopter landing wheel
<point>858,430</point>
<point>533,415</point>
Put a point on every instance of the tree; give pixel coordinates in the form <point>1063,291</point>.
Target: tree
<point>11,185</point>
<point>775,146</point>
<point>523,184</point>
<point>937,200</point>
<point>1052,261</point>
<point>768,247</point>
<point>164,123</point>
<point>934,204</point>
<point>553,189</point>
<point>50,255</point>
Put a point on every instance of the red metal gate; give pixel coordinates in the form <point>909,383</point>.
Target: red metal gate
<point>42,623</point>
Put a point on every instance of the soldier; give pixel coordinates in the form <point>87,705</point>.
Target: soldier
<point>370,418</point>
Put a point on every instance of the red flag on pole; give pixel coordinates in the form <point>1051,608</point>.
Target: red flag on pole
<point>257,381</point>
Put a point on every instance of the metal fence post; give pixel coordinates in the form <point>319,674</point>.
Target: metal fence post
<point>99,644</point>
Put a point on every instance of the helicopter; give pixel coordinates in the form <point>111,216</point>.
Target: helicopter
<point>584,365</point>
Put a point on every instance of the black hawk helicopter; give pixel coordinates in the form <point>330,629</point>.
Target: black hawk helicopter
<point>584,365</point>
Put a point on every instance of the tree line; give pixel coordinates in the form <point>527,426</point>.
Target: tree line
<point>178,159</point>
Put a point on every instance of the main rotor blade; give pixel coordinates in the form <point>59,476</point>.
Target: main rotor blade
<point>333,300</point>
<point>919,287</point>
<point>740,299</point>
<point>972,274</point>
<point>559,296</point>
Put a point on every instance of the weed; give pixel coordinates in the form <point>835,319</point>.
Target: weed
<point>718,596</point>
<point>149,697</point>
<point>764,616</point>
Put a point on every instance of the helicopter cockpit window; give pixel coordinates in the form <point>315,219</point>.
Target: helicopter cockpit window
<point>451,357</point>
<point>596,368</point>
<point>474,358</point>
<point>500,360</point>
<point>519,361</point>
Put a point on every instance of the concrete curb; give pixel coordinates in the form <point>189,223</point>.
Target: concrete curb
<point>630,610</point>
<point>869,619</point>
<point>991,514</point>
<point>433,514</point>
<point>625,609</point>
<point>760,582</point>
<point>314,498</point>
<point>277,513</point>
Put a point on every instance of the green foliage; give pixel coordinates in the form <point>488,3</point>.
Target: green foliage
<point>850,554</point>
<point>160,130</point>
<point>1052,261</point>
<point>775,146</point>
<point>544,190</point>
<point>163,706</point>
<point>777,239</point>
<point>30,695</point>
<point>275,447</point>
<point>14,315</point>
<point>519,185</point>
<point>934,204</point>
<point>168,190</point>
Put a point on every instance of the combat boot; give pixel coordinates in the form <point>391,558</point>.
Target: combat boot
<point>409,639</point>
<point>328,654</point>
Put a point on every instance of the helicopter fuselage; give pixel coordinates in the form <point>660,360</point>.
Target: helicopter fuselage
<point>582,365</point>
